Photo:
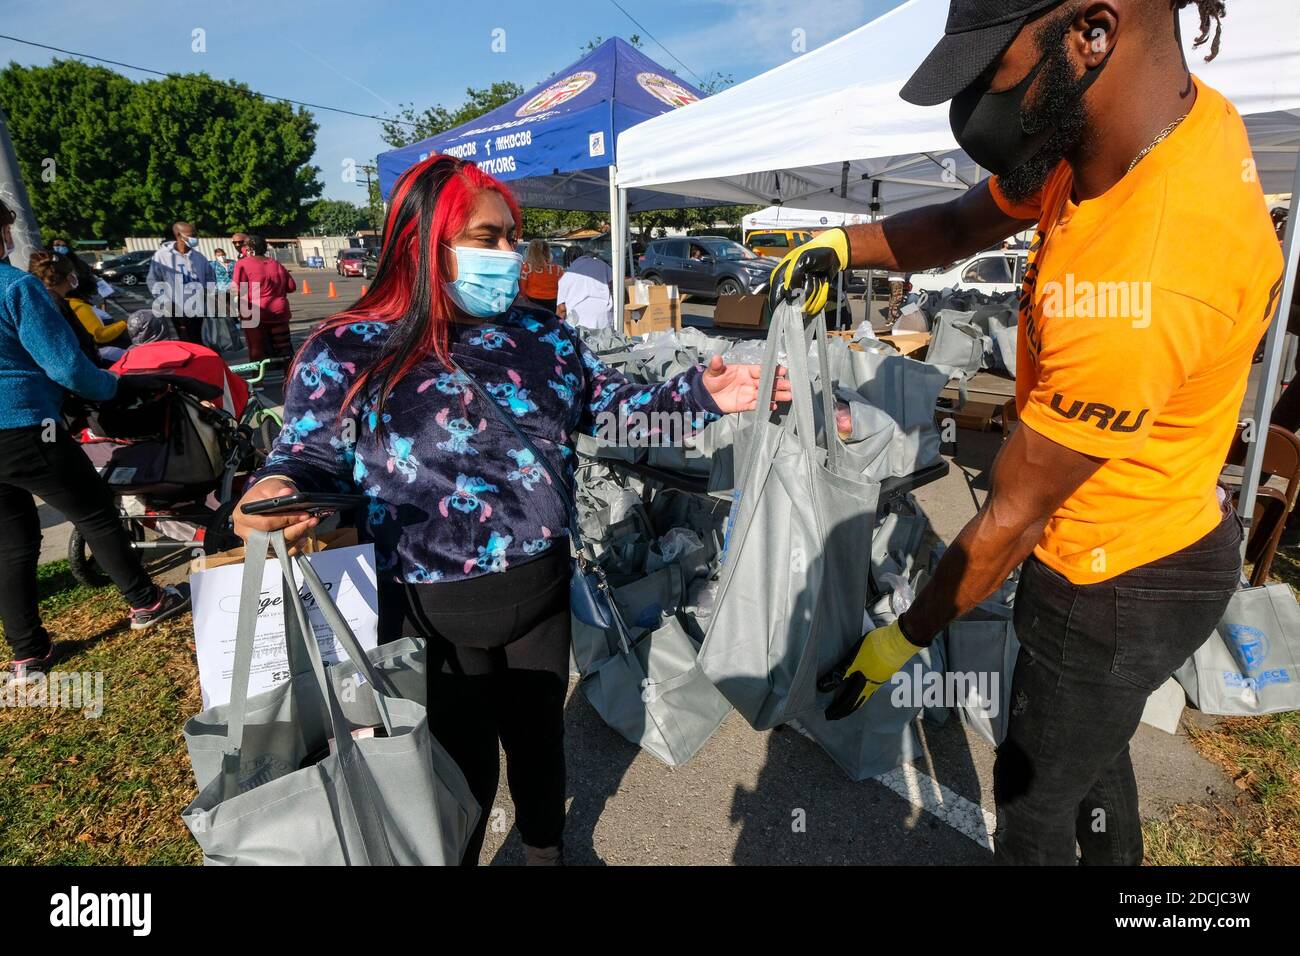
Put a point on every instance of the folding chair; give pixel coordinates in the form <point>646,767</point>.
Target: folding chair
<point>1272,505</point>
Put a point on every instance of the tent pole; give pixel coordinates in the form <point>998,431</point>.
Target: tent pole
<point>27,235</point>
<point>1274,351</point>
<point>625,230</point>
<point>615,248</point>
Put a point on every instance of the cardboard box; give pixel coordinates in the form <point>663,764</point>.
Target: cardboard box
<point>638,292</point>
<point>741,312</point>
<point>312,544</point>
<point>976,416</point>
<point>656,317</point>
<point>911,344</point>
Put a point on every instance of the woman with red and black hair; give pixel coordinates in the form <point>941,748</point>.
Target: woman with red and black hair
<point>413,397</point>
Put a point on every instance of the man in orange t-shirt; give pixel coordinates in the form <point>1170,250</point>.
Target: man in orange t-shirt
<point>1153,276</point>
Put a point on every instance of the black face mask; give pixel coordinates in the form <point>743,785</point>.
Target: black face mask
<point>990,127</point>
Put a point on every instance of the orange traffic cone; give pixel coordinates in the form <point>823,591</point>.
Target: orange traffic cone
<point>363,290</point>
<point>306,287</point>
<point>333,292</point>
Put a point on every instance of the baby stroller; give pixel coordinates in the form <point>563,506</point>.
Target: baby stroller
<point>178,461</point>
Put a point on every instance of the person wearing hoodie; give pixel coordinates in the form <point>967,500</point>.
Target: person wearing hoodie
<point>40,363</point>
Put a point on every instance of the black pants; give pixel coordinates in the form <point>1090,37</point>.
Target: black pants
<point>498,671</point>
<point>1090,656</point>
<point>60,473</point>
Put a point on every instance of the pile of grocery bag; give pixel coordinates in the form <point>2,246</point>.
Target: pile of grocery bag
<point>745,597</point>
<point>660,552</point>
<point>970,331</point>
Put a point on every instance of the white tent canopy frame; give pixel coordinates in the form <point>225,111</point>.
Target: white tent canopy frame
<point>827,130</point>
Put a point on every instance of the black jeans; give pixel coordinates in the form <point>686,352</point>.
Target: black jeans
<point>498,671</point>
<point>1090,656</point>
<point>61,474</point>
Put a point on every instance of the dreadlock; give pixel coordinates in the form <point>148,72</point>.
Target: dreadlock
<point>1212,14</point>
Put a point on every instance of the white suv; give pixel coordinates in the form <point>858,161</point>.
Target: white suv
<point>993,272</point>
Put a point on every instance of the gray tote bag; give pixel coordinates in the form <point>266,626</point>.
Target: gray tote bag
<point>281,778</point>
<point>981,650</point>
<point>906,390</point>
<point>798,552</point>
<point>881,734</point>
<point>652,691</point>
<point>1251,663</point>
<point>1004,343</point>
<point>643,605</point>
<point>957,348</point>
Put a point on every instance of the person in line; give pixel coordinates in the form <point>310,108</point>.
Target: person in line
<point>262,286</point>
<point>40,363</point>
<point>223,272</point>
<point>181,279</point>
<point>86,278</point>
<point>59,276</point>
<point>583,293</point>
<point>468,522</point>
<point>223,269</point>
<point>1098,136</point>
<point>540,279</point>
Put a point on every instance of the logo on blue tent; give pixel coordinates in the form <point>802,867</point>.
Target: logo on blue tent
<point>558,93</point>
<point>665,90</point>
<point>1252,645</point>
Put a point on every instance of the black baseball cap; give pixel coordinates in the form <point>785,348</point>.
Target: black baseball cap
<point>977,33</point>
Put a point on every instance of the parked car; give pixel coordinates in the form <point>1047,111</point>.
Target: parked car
<point>129,269</point>
<point>357,262</point>
<point>776,242</point>
<point>705,265</point>
<point>994,272</point>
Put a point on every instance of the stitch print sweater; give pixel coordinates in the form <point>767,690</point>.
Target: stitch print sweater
<point>451,494</point>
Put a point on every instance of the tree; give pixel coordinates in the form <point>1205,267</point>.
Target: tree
<point>223,159</point>
<point>657,220</point>
<point>408,126</point>
<point>75,145</point>
<point>336,217</point>
<point>108,157</point>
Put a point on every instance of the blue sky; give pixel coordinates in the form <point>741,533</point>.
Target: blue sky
<point>373,55</point>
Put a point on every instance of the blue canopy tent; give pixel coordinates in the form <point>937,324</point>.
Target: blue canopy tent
<point>555,144</point>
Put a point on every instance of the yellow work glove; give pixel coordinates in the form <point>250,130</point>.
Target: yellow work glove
<point>816,262</point>
<point>881,654</point>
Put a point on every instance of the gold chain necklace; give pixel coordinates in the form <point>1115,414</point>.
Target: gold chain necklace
<point>1160,138</point>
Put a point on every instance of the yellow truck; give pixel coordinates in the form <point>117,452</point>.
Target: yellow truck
<point>776,242</point>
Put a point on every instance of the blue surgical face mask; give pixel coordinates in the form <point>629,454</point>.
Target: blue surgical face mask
<point>61,250</point>
<point>192,242</point>
<point>487,280</point>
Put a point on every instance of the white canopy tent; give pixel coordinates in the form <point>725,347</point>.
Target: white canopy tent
<point>828,131</point>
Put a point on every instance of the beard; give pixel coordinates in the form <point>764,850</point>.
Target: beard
<point>1059,108</point>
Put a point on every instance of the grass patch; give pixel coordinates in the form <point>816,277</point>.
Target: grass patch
<point>109,789</point>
